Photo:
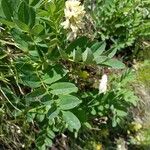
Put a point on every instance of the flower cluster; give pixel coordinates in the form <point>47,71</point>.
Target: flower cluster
<point>74,13</point>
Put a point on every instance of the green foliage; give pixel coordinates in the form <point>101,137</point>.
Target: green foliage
<point>120,22</point>
<point>143,75</point>
<point>40,87</point>
<point>115,103</point>
<point>94,54</point>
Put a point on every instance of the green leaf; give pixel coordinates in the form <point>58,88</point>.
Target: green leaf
<point>66,102</point>
<point>121,113</point>
<point>72,121</point>
<point>87,56</point>
<point>54,74</point>
<point>88,125</point>
<point>1,10</point>
<point>34,2</point>
<point>80,42</point>
<point>31,80</point>
<point>100,59</point>
<point>37,29</point>
<point>98,48</point>
<point>48,142</point>
<point>26,14</point>
<point>35,95</point>
<point>41,147</point>
<point>77,55</point>
<point>6,22</point>
<point>112,53</point>
<point>7,9</point>
<point>22,25</point>
<point>63,88</point>
<point>32,16</point>
<point>23,12</point>
<point>54,114</point>
<point>52,7</point>
<point>43,140</point>
<point>114,122</point>
<point>30,116</point>
<point>40,117</point>
<point>50,133</point>
<point>22,39</point>
<point>3,55</point>
<point>114,63</point>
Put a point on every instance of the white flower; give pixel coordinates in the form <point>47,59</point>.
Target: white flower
<point>18,131</point>
<point>103,84</point>
<point>66,24</point>
<point>23,145</point>
<point>74,13</point>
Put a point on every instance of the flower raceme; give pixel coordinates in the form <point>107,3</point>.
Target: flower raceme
<point>103,84</point>
<point>74,13</point>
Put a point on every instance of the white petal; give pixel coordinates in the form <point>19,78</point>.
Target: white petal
<point>66,24</point>
<point>103,84</point>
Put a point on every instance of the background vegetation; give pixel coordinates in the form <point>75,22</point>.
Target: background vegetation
<point>49,84</point>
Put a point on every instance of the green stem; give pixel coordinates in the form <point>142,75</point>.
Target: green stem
<point>8,100</point>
